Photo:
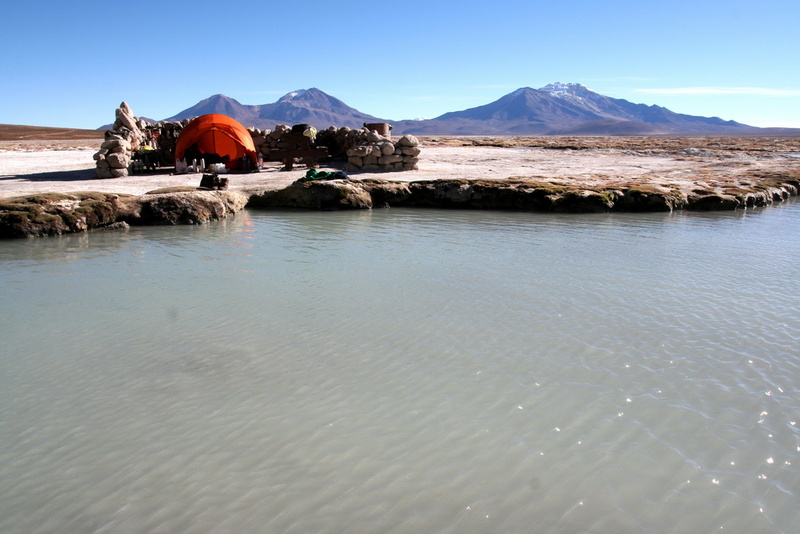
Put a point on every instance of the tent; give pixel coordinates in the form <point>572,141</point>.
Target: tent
<point>217,138</point>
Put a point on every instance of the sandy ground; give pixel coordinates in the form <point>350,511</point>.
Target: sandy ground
<point>69,166</point>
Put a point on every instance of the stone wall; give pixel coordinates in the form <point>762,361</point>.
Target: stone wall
<point>370,151</point>
<point>266,141</point>
<point>361,149</point>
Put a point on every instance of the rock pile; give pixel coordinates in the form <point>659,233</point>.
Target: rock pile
<point>362,149</point>
<point>125,137</point>
<point>267,140</point>
<point>370,151</point>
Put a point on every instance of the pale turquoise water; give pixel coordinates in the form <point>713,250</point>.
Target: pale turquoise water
<point>405,371</point>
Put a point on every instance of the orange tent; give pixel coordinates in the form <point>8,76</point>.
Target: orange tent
<point>220,135</point>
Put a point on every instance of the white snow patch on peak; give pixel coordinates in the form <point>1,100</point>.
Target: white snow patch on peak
<point>565,89</point>
<point>295,94</point>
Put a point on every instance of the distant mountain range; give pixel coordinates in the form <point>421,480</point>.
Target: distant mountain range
<point>306,106</point>
<point>556,109</point>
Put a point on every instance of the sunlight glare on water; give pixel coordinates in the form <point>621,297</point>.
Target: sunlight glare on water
<point>405,371</point>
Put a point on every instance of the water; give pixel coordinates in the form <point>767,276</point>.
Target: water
<point>396,371</point>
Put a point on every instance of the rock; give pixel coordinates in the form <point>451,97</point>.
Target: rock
<point>116,142</point>
<point>120,225</point>
<point>648,199</point>
<point>387,148</point>
<point>58,213</point>
<point>385,193</point>
<point>359,151</point>
<point>711,201</point>
<point>117,160</point>
<point>125,117</point>
<point>316,195</point>
<point>186,207</point>
<point>408,141</point>
<point>390,159</point>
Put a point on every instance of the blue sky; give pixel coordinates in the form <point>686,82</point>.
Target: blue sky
<point>70,64</point>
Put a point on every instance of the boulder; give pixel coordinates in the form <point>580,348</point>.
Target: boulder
<point>316,195</point>
<point>359,151</point>
<point>116,141</point>
<point>408,141</point>
<point>117,160</point>
<point>390,159</point>
<point>193,207</point>
<point>125,117</point>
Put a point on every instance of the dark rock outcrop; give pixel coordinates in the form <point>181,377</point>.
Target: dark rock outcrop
<point>195,207</point>
<point>61,213</point>
<point>525,195</point>
<point>50,214</point>
<point>316,195</point>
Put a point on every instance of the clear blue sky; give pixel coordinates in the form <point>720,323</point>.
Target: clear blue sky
<point>70,64</point>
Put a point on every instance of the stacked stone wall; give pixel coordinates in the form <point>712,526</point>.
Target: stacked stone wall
<point>361,149</point>
<point>266,141</point>
<point>368,151</point>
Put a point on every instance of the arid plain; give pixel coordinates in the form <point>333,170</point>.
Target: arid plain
<point>36,162</point>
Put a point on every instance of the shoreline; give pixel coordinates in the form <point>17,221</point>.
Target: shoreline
<point>567,174</point>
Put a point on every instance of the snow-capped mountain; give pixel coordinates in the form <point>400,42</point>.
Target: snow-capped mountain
<point>304,106</point>
<point>557,108</point>
<point>570,108</point>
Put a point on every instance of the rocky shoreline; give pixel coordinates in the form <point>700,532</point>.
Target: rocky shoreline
<point>48,214</point>
<point>522,195</point>
<point>567,175</point>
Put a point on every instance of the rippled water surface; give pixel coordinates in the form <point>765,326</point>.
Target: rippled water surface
<point>397,371</point>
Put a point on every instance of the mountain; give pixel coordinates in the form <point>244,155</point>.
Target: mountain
<point>221,104</point>
<point>305,106</point>
<point>555,109</point>
<point>570,109</point>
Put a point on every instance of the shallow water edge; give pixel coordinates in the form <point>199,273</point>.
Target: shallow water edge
<point>60,213</point>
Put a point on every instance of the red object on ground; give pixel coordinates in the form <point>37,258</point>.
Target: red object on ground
<point>221,135</point>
